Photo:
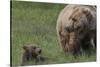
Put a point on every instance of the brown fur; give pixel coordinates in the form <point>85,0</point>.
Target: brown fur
<point>76,23</point>
<point>31,52</point>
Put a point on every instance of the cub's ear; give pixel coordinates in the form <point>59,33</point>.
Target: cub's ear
<point>88,14</point>
<point>34,47</point>
<point>25,47</point>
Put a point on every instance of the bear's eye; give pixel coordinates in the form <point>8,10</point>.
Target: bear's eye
<point>74,19</point>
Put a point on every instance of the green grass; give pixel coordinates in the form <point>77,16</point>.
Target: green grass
<point>36,23</point>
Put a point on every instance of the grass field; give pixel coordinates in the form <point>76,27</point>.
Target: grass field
<point>36,23</point>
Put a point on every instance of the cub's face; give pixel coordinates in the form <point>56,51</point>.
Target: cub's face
<point>32,50</point>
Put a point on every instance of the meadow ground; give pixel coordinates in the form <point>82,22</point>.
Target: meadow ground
<point>36,23</point>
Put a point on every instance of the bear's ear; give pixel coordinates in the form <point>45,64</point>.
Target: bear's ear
<point>88,14</point>
<point>34,47</point>
<point>25,47</point>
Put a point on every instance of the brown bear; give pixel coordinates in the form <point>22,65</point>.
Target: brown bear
<point>76,28</point>
<point>32,52</point>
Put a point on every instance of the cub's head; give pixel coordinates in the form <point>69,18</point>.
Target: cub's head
<point>32,50</point>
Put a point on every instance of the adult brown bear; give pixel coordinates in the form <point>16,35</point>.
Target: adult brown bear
<point>76,28</point>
